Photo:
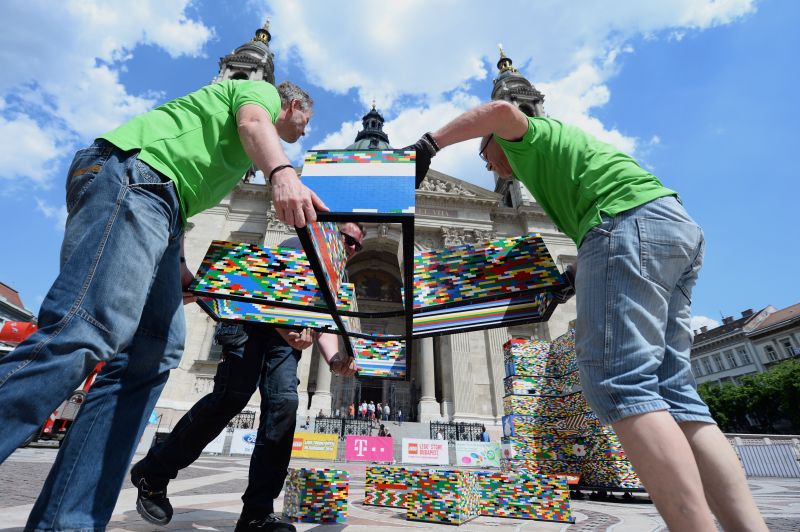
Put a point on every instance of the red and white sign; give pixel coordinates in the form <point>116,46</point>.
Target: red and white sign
<point>425,452</point>
<point>14,332</point>
<point>369,449</point>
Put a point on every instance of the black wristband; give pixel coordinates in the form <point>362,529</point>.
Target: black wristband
<point>183,260</point>
<point>427,136</point>
<point>277,169</point>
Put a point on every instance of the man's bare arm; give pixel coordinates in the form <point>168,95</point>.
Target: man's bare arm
<point>295,203</point>
<point>501,118</point>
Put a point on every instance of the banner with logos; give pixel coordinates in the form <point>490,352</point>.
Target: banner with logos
<point>216,445</point>
<point>369,449</point>
<point>312,445</point>
<point>475,453</point>
<point>417,451</point>
<point>243,442</point>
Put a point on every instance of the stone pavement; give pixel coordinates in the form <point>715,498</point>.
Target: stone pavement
<point>206,496</point>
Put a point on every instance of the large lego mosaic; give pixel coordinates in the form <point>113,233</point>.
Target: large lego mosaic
<point>444,496</point>
<point>316,495</point>
<point>389,485</point>
<point>524,496</point>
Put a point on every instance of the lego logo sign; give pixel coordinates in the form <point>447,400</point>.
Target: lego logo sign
<point>310,445</point>
<point>297,444</point>
<point>418,451</point>
<point>369,449</point>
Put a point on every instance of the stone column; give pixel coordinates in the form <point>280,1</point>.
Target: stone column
<point>448,405</point>
<point>428,407</point>
<point>322,396</point>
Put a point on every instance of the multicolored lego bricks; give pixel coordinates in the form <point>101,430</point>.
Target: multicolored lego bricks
<point>546,405</point>
<point>389,485</point>
<point>526,357</point>
<point>329,248</point>
<point>444,496</point>
<point>518,308</point>
<point>261,275</point>
<point>473,271</point>
<point>230,310</point>
<point>316,495</point>
<point>374,181</point>
<point>610,474</point>
<point>532,385</point>
<point>524,496</point>
<point>380,358</point>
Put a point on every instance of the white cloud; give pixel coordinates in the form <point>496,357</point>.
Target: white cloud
<point>61,64</point>
<point>426,50</point>
<point>57,213</point>
<point>703,321</point>
<point>26,149</point>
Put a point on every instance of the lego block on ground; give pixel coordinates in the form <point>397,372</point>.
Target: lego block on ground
<point>524,496</point>
<point>444,496</point>
<point>316,495</point>
<point>617,474</point>
<point>388,485</point>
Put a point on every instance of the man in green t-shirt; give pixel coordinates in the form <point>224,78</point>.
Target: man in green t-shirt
<point>118,295</point>
<point>639,254</point>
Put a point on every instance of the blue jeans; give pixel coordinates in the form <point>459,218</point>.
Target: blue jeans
<point>633,335</point>
<point>262,360</point>
<point>117,298</point>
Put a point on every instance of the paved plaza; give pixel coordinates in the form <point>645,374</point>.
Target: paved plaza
<point>206,496</point>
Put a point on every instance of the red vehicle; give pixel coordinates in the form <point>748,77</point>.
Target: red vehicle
<point>55,428</point>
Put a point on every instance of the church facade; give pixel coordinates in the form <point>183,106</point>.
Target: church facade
<point>455,377</point>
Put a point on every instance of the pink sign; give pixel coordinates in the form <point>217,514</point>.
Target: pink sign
<point>369,449</point>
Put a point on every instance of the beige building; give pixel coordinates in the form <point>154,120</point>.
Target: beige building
<point>456,377</point>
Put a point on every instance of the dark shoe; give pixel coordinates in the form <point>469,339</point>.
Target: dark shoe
<point>270,523</point>
<point>151,501</point>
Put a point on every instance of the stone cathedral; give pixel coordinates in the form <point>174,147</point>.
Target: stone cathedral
<point>456,377</point>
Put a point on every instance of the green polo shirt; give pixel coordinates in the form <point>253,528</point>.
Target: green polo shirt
<point>574,177</point>
<point>194,141</point>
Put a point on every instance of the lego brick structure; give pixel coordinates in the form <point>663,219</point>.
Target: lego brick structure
<point>524,496</point>
<point>444,496</point>
<point>316,495</point>
<point>380,358</point>
<point>557,434</point>
<point>336,175</point>
<point>389,485</point>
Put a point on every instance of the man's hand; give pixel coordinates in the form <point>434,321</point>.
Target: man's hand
<point>426,148</point>
<point>562,295</point>
<point>186,278</point>
<point>342,365</point>
<point>298,340</point>
<point>295,203</point>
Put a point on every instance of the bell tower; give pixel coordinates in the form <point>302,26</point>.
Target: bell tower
<point>252,60</point>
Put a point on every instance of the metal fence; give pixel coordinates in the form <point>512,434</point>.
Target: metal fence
<point>456,431</point>
<point>246,419</point>
<point>768,455</point>
<point>343,427</point>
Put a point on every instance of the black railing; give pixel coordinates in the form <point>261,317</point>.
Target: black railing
<point>328,425</point>
<point>456,431</point>
<point>343,427</point>
<point>243,420</point>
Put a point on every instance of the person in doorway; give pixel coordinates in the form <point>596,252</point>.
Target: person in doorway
<point>119,293</point>
<point>639,254</point>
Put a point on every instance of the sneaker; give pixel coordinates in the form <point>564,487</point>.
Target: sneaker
<point>270,523</point>
<point>151,501</point>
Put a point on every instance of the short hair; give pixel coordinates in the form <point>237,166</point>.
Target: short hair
<point>360,227</point>
<point>288,91</point>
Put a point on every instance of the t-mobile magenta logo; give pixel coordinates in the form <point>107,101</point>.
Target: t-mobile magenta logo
<point>360,446</point>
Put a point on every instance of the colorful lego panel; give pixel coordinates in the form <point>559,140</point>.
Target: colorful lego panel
<point>389,485</point>
<point>379,181</point>
<point>263,275</point>
<point>444,496</point>
<point>524,496</point>
<point>471,272</point>
<point>522,308</point>
<point>316,495</point>
<point>380,358</point>
<point>329,248</point>
<point>230,310</point>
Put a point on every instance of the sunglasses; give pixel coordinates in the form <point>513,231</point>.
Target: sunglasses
<point>351,241</point>
<point>482,153</point>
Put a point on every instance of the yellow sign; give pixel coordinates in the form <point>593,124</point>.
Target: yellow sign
<point>312,445</point>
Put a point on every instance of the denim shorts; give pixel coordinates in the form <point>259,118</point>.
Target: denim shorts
<point>633,336</point>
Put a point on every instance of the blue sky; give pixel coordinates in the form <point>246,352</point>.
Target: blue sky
<point>701,92</point>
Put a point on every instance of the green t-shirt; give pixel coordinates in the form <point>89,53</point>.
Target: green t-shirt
<point>194,141</point>
<point>575,177</point>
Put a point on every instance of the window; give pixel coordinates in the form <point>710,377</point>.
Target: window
<point>787,348</point>
<point>772,356</point>
<point>696,369</point>
<point>718,362</point>
<point>731,359</point>
<point>744,356</point>
<point>707,365</point>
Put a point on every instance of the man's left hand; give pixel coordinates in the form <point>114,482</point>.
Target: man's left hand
<point>426,148</point>
<point>298,340</point>
<point>186,279</point>
<point>344,366</point>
